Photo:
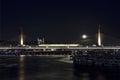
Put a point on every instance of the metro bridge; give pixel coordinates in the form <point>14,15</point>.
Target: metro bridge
<point>52,47</point>
<point>55,49</point>
<point>62,47</point>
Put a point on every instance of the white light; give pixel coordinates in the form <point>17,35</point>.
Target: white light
<point>59,45</point>
<point>84,36</point>
<point>99,37</point>
<point>52,49</point>
<point>21,39</point>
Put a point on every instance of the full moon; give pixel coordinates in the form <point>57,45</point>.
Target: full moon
<point>84,36</point>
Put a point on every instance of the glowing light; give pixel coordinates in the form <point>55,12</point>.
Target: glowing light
<point>22,58</point>
<point>52,49</point>
<point>21,38</point>
<point>99,38</point>
<point>21,68</point>
<point>68,47</point>
<point>58,45</point>
<point>84,36</point>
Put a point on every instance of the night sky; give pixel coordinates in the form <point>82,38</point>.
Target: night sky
<point>58,21</point>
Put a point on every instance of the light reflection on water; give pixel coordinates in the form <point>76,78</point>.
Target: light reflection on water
<point>21,68</point>
<point>85,76</point>
<point>50,68</point>
<point>100,77</point>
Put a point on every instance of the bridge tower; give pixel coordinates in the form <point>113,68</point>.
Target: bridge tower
<point>99,37</point>
<point>21,38</point>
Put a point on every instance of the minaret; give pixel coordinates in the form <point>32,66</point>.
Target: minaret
<point>21,38</point>
<point>40,41</point>
<point>43,40</point>
<point>99,37</point>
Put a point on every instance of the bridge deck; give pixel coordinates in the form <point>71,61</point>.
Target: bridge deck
<point>62,47</point>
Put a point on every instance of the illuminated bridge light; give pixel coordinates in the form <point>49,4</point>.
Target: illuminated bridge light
<point>21,38</point>
<point>99,37</point>
<point>66,45</point>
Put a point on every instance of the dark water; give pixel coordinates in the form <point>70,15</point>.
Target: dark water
<point>50,68</point>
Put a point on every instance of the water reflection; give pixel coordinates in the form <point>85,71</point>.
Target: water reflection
<point>100,77</point>
<point>21,68</point>
<point>89,73</point>
<point>50,68</point>
<point>85,76</point>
